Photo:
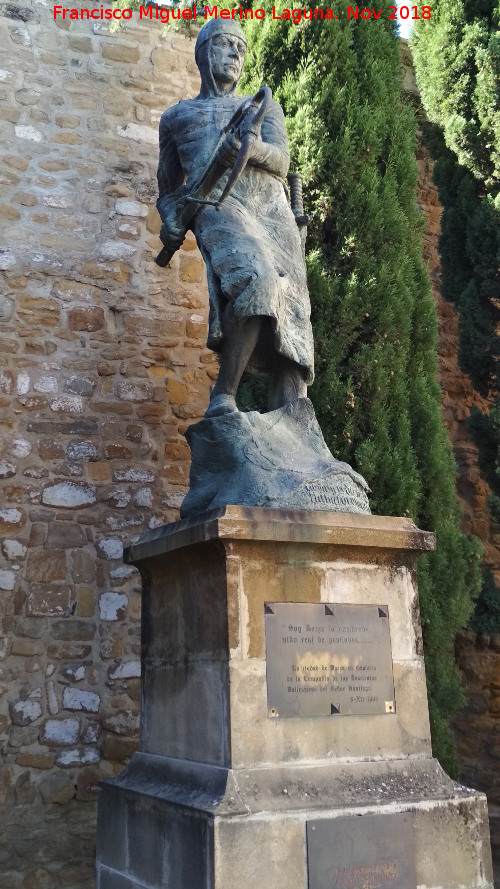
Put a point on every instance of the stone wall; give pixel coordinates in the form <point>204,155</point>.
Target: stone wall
<point>103,365</point>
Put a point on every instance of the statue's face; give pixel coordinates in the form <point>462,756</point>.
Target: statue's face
<point>227,54</point>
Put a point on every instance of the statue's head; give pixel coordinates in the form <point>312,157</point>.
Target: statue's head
<point>220,52</point>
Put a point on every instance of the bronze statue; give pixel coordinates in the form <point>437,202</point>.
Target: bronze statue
<point>223,160</point>
<point>259,304</point>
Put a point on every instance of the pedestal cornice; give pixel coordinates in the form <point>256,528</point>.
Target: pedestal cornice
<point>287,526</point>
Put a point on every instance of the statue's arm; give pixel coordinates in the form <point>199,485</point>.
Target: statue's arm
<point>170,177</point>
<point>270,152</point>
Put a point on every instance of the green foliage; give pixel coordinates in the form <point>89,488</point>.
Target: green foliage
<point>353,138</point>
<point>486,618</point>
<point>457,57</point>
<point>485,434</point>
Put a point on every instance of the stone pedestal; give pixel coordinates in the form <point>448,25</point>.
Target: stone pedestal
<point>221,795</point>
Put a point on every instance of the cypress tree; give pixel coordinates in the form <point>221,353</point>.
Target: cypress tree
<point>457,60</point>
<point>353,138</point>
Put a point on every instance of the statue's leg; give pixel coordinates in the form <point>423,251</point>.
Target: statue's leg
<point>240,338</point>
<point>287,383</point>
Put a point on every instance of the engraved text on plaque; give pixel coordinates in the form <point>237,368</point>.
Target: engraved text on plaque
<point>328,659</point>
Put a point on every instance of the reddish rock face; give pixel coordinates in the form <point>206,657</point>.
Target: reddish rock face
<point>477,727</point>
<point>458,395</point>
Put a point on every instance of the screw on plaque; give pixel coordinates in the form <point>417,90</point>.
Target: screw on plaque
<point>382,613</point>
<point>389,707</point>
<point>329,610</point>
<point>268,609</point>
<point>334,709</point>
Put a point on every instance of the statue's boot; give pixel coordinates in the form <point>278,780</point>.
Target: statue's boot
<point>221,404</point>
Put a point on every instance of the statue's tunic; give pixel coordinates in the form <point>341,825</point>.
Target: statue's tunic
<point>251,246</point>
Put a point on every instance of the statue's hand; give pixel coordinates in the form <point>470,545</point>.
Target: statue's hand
<point>228,150</point>
<point>171,236</point>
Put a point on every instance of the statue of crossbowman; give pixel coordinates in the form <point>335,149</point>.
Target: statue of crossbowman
<point>223,161</point>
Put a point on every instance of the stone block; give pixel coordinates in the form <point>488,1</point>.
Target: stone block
<point>118,452</point>
<point>24,712</point>
<point>80,386</point>
<point>24,790</point>
<point>178,393</point>
<point>38,312</point>
<point>41,761</point>
<point>118,749</point>
<point>12,519</point>
<point>12,115</point>
<point>78,699</point>
<point>79,43</point>
<point>67,139</point>
<point>22,737</point>
<point>120,52</point>
<point>70,404</point>
<point>25,198</point>
<point>134,392</point>
<point>27,647</point>
<point>65,535</point>
<point>60,732</point>
<point>127,207</point>
<point>14,550</point>
<point>112,606</point>
<point>67,121</point>
<point>64,650</point>
<point>110,548</point>
<point>5,782</point>
<point>88,318</point>
<point>16,161</point>
<point>38,878</point>
<point>141,326</point>
<point>54,166</point>
<point>191,270</point>
<point>50,599</point>
<point>30,403</point>
<point>31,629</point>
<point>73,630</point>
<point>45,567</point>
<point>69,495</point>
<point>196,327</point>
<point>100,471</point>
<point>57,788</point>
<point>88,784</point>
<point>152,414</point>
<point>7,579</point>
<point>85,602</point>
<point>9,212</point>
<point>82,566</point>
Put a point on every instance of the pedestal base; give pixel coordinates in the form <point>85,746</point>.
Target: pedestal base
<point>222,796</point>
<point>173,824</point>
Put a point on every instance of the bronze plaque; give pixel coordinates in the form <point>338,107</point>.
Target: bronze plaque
<point>361,852</point>
<point>328,659</point>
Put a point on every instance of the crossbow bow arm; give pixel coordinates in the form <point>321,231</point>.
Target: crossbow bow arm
<point>245,124</point>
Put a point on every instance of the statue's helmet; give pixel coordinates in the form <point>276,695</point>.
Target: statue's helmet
<point>218,26</point>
